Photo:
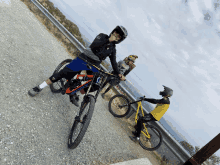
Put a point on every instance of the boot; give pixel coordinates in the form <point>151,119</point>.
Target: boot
<point>134,133</point>
<point>134,138</point>
<point>34,91</point>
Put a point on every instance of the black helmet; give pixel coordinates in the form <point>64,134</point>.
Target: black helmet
<point>122,32</point>
<point>167,92</point>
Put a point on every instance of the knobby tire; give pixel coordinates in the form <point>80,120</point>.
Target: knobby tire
<point>110,106</point>
<point>75,143</point>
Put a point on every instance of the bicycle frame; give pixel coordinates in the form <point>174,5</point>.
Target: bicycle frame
<point>90,81</point>
<point>68,91</point>
<point>138,108</point>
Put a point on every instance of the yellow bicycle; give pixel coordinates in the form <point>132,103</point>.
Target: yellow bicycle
<point>151,137</point>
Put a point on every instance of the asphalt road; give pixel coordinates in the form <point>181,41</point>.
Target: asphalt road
<point>35,130</point>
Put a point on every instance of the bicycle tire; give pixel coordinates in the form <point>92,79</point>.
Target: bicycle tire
<point>58,68</point>
<point>111,105</point>
<point>73,144</point>
<point>143,142</point>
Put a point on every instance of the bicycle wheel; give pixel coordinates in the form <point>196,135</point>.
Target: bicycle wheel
<point>81,122</point>
<point>115,104</point>
<point>57,86</point>
<point>155,140</point>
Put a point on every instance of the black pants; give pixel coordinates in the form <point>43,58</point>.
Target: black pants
<point>68,74</point>
<point>148,117</point>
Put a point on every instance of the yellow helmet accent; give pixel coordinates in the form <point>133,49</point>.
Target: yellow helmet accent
<point>132,57</point>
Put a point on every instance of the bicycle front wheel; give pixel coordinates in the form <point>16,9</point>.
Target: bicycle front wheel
<point>154,141</point>
<point>119,106</point>
<point>81,122</point>
<point>57,86</point>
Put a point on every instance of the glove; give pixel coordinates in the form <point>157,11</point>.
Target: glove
<point>141,98</point>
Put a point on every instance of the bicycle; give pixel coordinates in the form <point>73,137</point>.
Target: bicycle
<point>70,87</point>
<point>119,106</point>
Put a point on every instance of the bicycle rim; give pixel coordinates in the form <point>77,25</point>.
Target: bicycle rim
<point>115,103</point>
<point>56,87</point>
<point>155,140</point>
<point>79,127</point>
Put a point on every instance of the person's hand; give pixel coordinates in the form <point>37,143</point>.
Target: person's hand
<point>141,98</point>
<point>122,77</point>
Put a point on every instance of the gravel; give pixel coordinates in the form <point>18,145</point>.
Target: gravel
<point>35,130</point>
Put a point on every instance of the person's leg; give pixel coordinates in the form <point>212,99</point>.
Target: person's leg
<point>64,73</point>
<point>137,132</point>
<point>146,118</point>
<point>45,83</point>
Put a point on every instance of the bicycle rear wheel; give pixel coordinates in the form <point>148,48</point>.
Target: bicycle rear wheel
<point>57,86</point>
<point>155,140</point>
<point>81,122</point>
<point>115,104</point>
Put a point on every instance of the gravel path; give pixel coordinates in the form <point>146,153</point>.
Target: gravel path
<point>35,130</point>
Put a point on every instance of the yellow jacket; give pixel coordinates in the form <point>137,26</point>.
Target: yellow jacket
<point>161,108</point>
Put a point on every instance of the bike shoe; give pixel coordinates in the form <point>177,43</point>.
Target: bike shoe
<point>103,95</point>
<point>74,99</point>
<point>34,91</point>
<point>134,133</point>
<point>134,138</point>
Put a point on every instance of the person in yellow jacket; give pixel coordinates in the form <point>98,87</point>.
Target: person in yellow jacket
<point>155,115</point>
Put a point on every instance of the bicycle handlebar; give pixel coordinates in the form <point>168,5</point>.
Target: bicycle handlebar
<point>141,97</point>
<point>99,68</point>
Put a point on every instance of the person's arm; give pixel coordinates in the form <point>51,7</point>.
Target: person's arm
<point>114,63</point>
<point>127,71</point>
<point>99,41</point>
<point>131,67</point>
<point>156,101</point>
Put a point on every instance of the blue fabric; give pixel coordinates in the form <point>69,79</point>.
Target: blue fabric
<point>78,65</point>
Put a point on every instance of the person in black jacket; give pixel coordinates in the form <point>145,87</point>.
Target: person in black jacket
<point>155,115</point>
<point>103,46</point>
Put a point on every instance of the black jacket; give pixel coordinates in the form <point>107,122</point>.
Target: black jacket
<point>103,48</point>
<point>158,101</point>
